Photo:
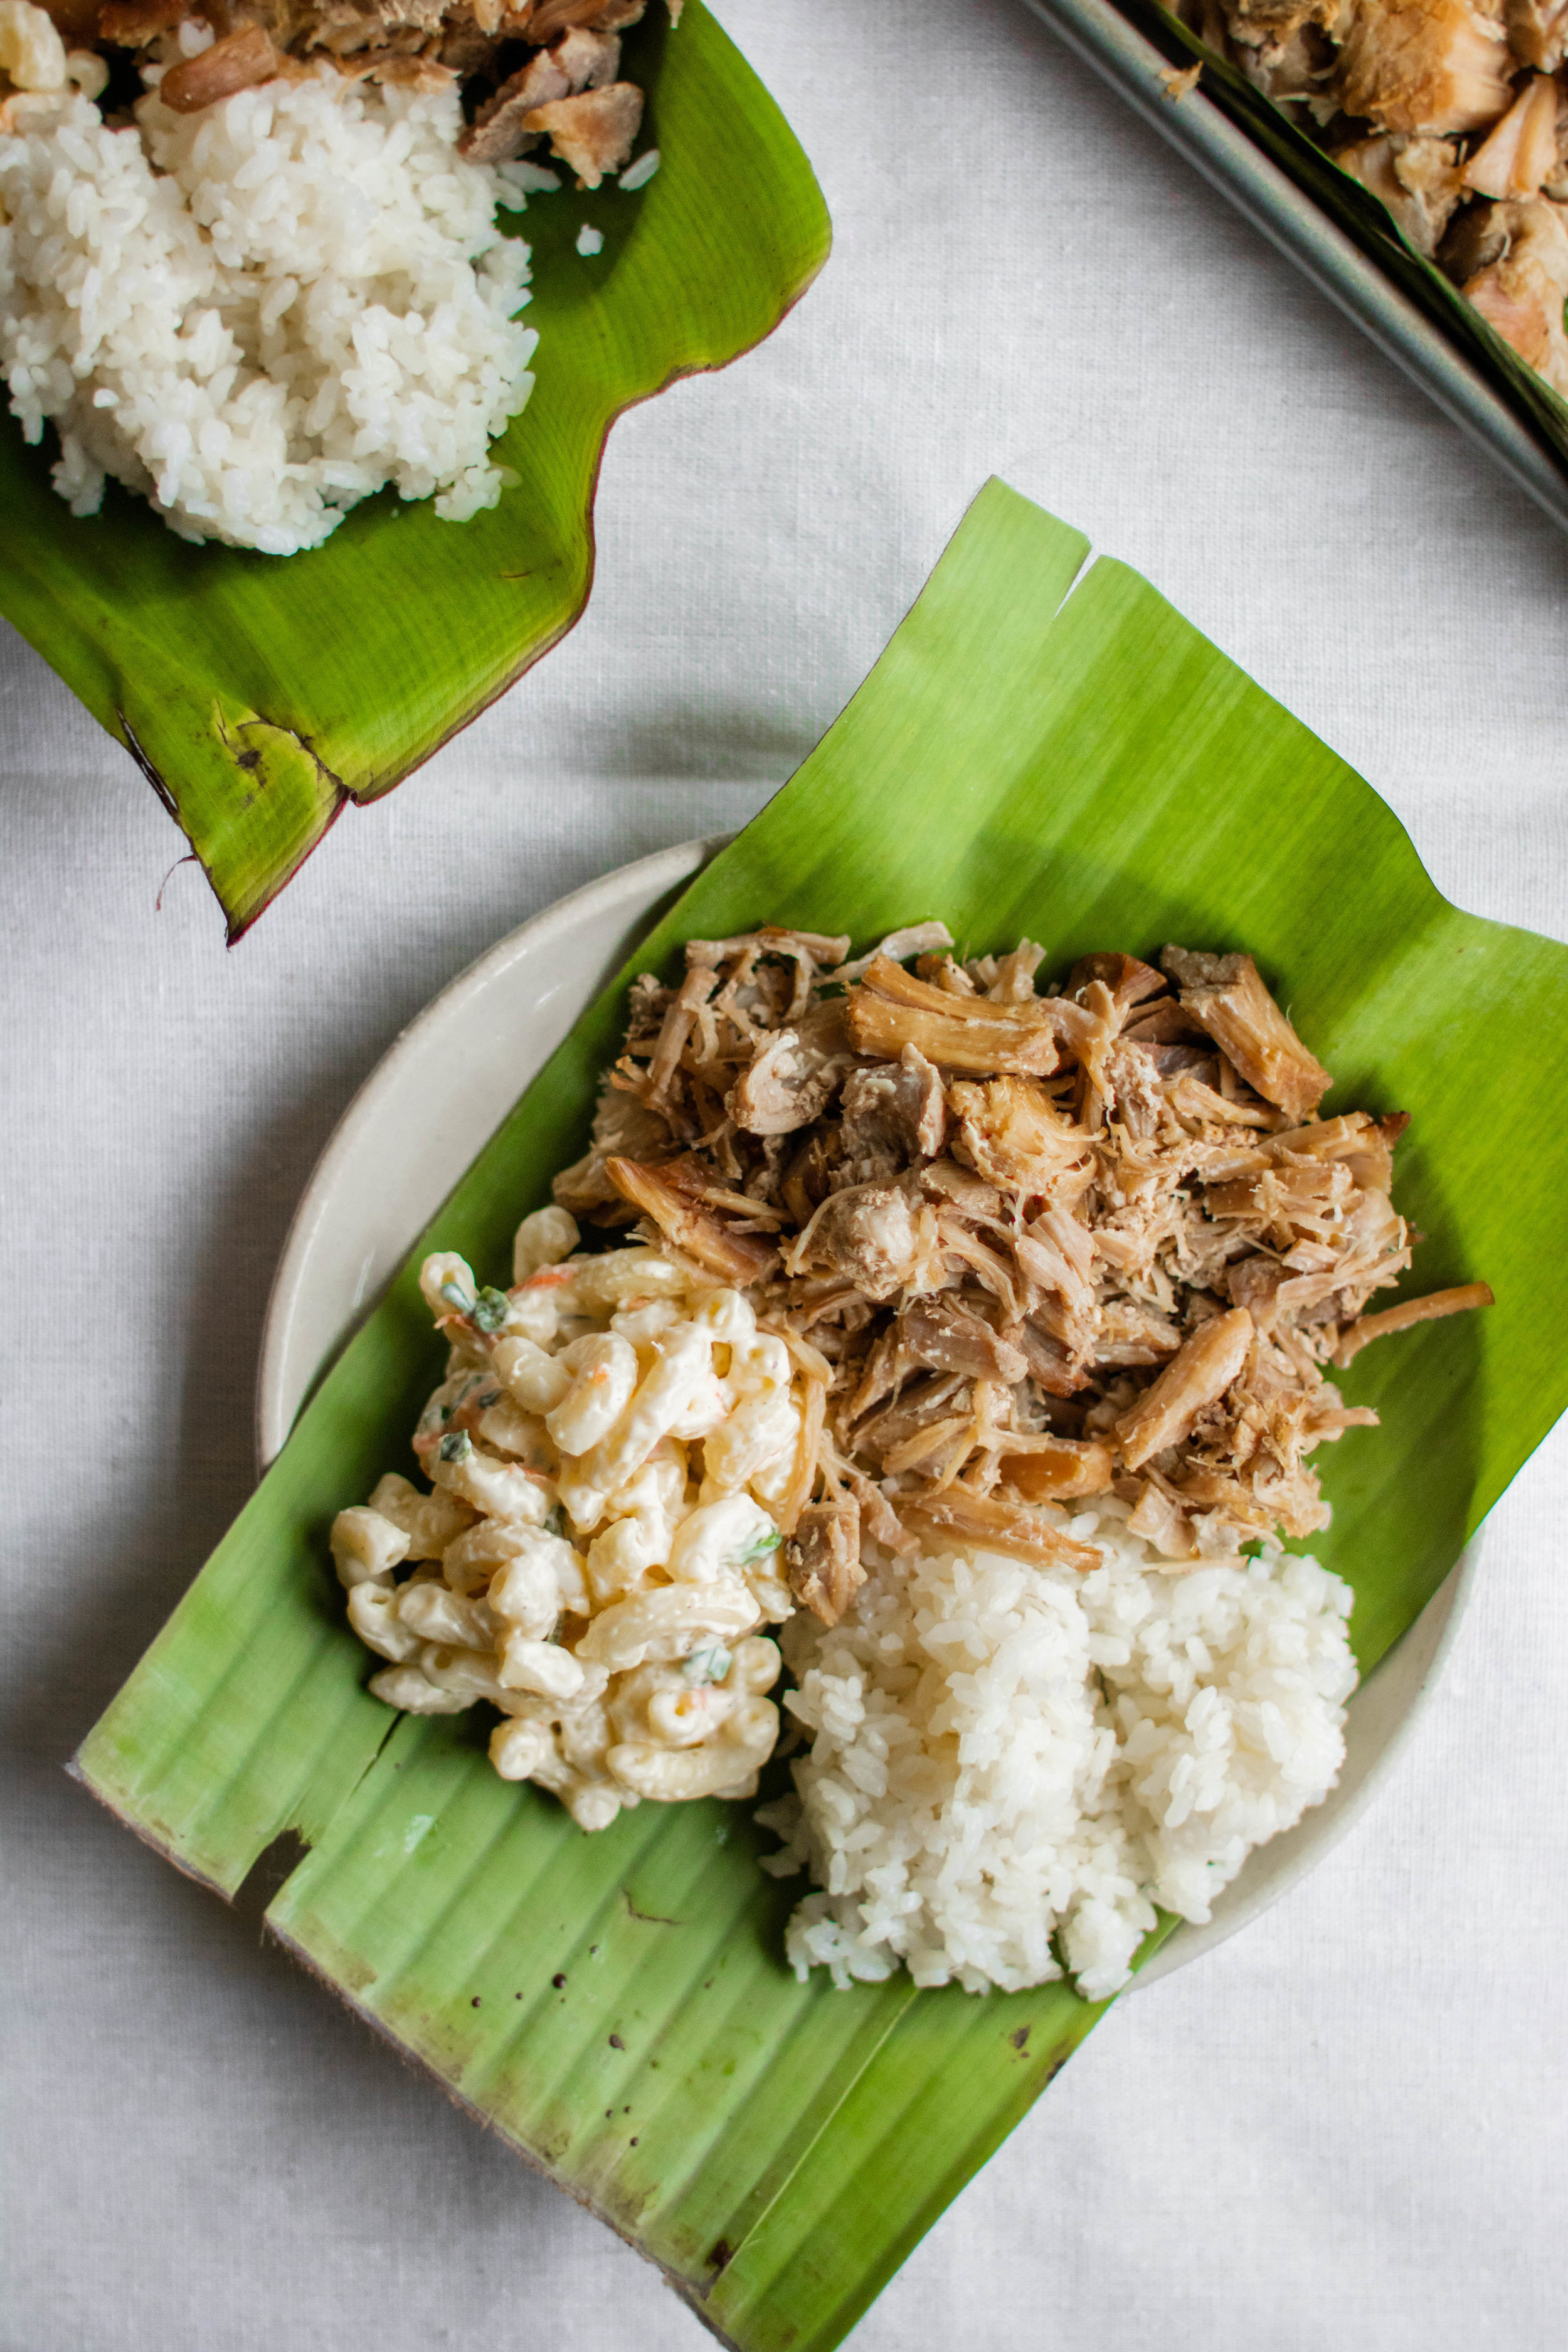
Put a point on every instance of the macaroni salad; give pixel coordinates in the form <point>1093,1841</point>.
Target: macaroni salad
<point>611,1454</point>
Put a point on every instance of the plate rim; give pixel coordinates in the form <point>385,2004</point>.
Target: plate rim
<point>277,1403</point>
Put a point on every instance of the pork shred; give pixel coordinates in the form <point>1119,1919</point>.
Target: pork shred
<point>1040,1244</point>
<point>1453,113</point>
<point>535,74</point>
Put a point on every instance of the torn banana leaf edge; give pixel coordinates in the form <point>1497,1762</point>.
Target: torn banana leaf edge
<point>260,694</point>
<point>1069,759</point>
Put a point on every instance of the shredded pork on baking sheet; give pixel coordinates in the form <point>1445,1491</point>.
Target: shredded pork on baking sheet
<point>1454,112</point>
<point>1024,1246</point>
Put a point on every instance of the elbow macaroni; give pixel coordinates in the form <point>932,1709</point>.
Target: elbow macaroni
<point>600,1550</point>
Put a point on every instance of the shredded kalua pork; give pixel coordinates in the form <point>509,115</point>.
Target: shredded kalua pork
<point>534,73</point>
<point>1028,1246</point>
<point>1454,112</point>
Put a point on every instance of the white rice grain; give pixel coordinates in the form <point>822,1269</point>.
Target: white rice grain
<point>1012,1765</point>
<point>261,313</point>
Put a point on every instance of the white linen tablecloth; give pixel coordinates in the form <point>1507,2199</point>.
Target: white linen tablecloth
<point>1344,2130</point>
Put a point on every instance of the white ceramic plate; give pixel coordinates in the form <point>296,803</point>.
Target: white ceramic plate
<point>433,1101</point>
<point>428,1107</point>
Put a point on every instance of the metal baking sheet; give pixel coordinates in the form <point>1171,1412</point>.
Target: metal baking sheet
<point>1227,159</point>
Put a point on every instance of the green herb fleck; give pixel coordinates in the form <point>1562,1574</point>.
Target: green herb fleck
<point>709,1665</point>
<point>489,1311</point>
<point>455,1446</point>
<point>759,1548</point>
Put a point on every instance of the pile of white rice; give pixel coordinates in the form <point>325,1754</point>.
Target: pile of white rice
<point>1014,1763</point>
<point>258,314</point>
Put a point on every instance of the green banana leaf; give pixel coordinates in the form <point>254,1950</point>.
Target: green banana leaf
<point>1085,768</point>
<point>260,694</point>
<point>1367,220</point>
